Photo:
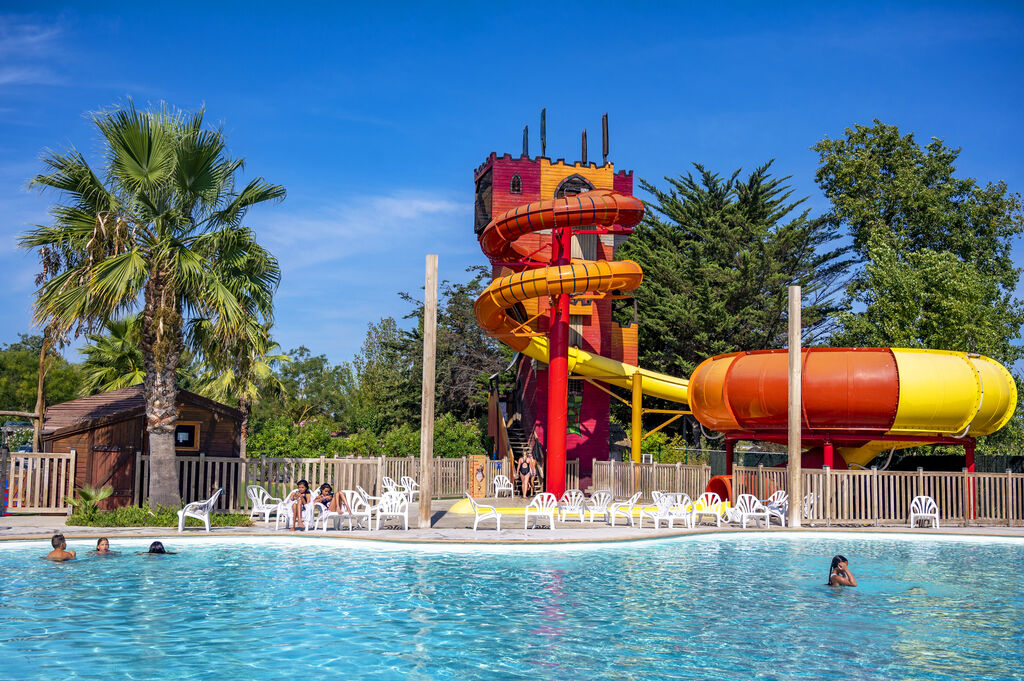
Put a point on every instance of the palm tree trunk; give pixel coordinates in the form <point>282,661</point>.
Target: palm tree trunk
<point>161,350</point>
<point>243,406</point>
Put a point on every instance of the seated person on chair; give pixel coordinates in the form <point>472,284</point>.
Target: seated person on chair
<point>299,498</point>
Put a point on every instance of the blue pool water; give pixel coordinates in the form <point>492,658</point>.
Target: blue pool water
<point>726,606</point>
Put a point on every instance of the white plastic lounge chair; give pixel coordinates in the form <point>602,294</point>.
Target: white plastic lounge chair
<point>571,503</point>
<point>924,508</point>
<point>198,509</point>
<point>412,488</point>
<point>623,509</point>
<point>708,505</point>
<point>262,502</point>
<point>662,513</point>
<point>749,508</point>
<point>393,505</point>
<point>391,486</point>
<point>335,516</point>
<point>682,509</point>
<point>597,504</point>
<point>362,508</point>
<point>286,512</point>
<point>777,505</point>
<point>502,485</point>
<point>544,505</point>
<point>482,513</point>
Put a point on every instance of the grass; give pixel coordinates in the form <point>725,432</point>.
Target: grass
<point>139,516</point>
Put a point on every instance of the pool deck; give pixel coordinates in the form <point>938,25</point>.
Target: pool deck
<point>457,527</point>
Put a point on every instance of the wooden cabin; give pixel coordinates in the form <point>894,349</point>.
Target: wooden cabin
<point>106,431</point>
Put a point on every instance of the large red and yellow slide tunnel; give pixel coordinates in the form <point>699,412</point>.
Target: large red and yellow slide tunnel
<point>862,399</point>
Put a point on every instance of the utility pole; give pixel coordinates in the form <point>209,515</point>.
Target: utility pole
<point>427,395</point>
<point>795,408</point>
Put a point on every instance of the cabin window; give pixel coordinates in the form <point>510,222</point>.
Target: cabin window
<point>186,436</point>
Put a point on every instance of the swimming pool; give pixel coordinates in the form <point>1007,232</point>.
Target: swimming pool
<point>712,606</point>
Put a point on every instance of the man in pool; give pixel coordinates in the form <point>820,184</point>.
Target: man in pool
<point>839,574</point>
<point>60,551</point>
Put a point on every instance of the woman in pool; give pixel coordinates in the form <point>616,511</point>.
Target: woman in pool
<point>103,548</point>
<point>300,498</point>
<point>527,469</point>
<point>156,549</point>
<point>839,574</point>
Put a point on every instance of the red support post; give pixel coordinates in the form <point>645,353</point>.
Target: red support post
<point>827,456</point>
<point>969,452</point>
<point>969,444</point>
<point>558,370</point>
<point>729,447</point>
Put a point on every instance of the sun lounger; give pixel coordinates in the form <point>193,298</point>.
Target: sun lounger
<point>262,502</point>
<point>623,509</point>
<point>502,485</point>
<point>198,509</point>
<point>571,503</point>
<point>482,513</point>
<point>544,505</point>
<point>924,508</point>
<point>597,504</point>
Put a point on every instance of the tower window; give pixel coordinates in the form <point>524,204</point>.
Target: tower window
<point>572,185</point>
<point>517,185</point>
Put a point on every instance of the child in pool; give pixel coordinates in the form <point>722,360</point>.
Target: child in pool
<point>839,574</point>
<point>156,549</point>
<point>103,548</point>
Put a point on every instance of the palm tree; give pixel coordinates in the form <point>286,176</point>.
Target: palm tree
<point>241,366</point>
<point>155,227</point>
<point>113,359</point>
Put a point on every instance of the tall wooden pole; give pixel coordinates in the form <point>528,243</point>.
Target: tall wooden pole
<point>427,395</point>
<point>795,408</point>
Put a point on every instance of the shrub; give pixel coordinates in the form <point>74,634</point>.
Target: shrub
<point>143,516</point>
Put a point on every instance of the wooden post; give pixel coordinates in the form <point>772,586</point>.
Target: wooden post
<point>827,497</point>
<point>427,399</point>
<point>1009,498</point>
<point>874,493</point>
<point>795,408</point>
<point>637,427</point>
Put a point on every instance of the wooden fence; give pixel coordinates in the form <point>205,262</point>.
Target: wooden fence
<point>623,478</point>
<point>873,497</point>
<point>198,476</point>
<point>39,482</point>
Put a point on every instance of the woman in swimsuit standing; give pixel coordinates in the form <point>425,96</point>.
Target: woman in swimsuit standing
<point>527,469</point>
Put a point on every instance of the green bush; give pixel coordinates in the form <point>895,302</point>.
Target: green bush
<point>141,516</point>
<point>454,438</point>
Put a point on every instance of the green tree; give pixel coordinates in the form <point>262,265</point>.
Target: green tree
<point>936,249</point>
<point>718,254</point>
<point>19,373</point>
<point>151,225</point>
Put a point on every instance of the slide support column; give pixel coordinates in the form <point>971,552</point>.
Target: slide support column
<point>558,370</point>
<point>828,456</point>
<point>636,421</point>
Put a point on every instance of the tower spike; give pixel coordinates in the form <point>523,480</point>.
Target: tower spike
<point>544,132</point>
<point>526,141</point>
<point>604,138</point>
<point>583,151</point>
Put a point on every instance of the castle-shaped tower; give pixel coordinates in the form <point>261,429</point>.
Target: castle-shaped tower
<point>504,182</point>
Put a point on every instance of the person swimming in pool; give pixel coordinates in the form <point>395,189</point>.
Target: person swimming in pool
<point>839,573</point>
<point>60,551</point>
<point>156,549</point>
<point>103,548</point>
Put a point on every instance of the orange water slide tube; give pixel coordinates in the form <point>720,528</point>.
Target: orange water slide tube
<point>857,395</point>
<point>502,241</point>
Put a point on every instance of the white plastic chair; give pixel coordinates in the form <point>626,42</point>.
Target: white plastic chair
<point>682,509</point>
<point>336,516</point>
<point>286,512</point>
<point>482,513</point>
<point>571,503</point>
<point>262,502</point>
<point>362,507</point>
<point>623,509</point>
<point>708,505</point>
<point>749,508</point>
<point>391,486</point>
<point>810,500</point>
<point>412,488</point>
<point>597,504</point>
<point>924,508</point>
<point>777,505</point>
<point>393,504</point>
<point>662,513</point>
<point>198,509</point>
<point>544,505</point>
<point>502,484</point>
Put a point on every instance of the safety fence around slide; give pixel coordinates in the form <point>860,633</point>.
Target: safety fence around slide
<point>199,475</point>
<point>874,497</point>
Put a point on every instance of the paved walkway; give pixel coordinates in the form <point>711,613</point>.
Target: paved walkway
<point>454,527</point>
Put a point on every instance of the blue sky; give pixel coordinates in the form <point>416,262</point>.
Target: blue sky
<point>374,117</point>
